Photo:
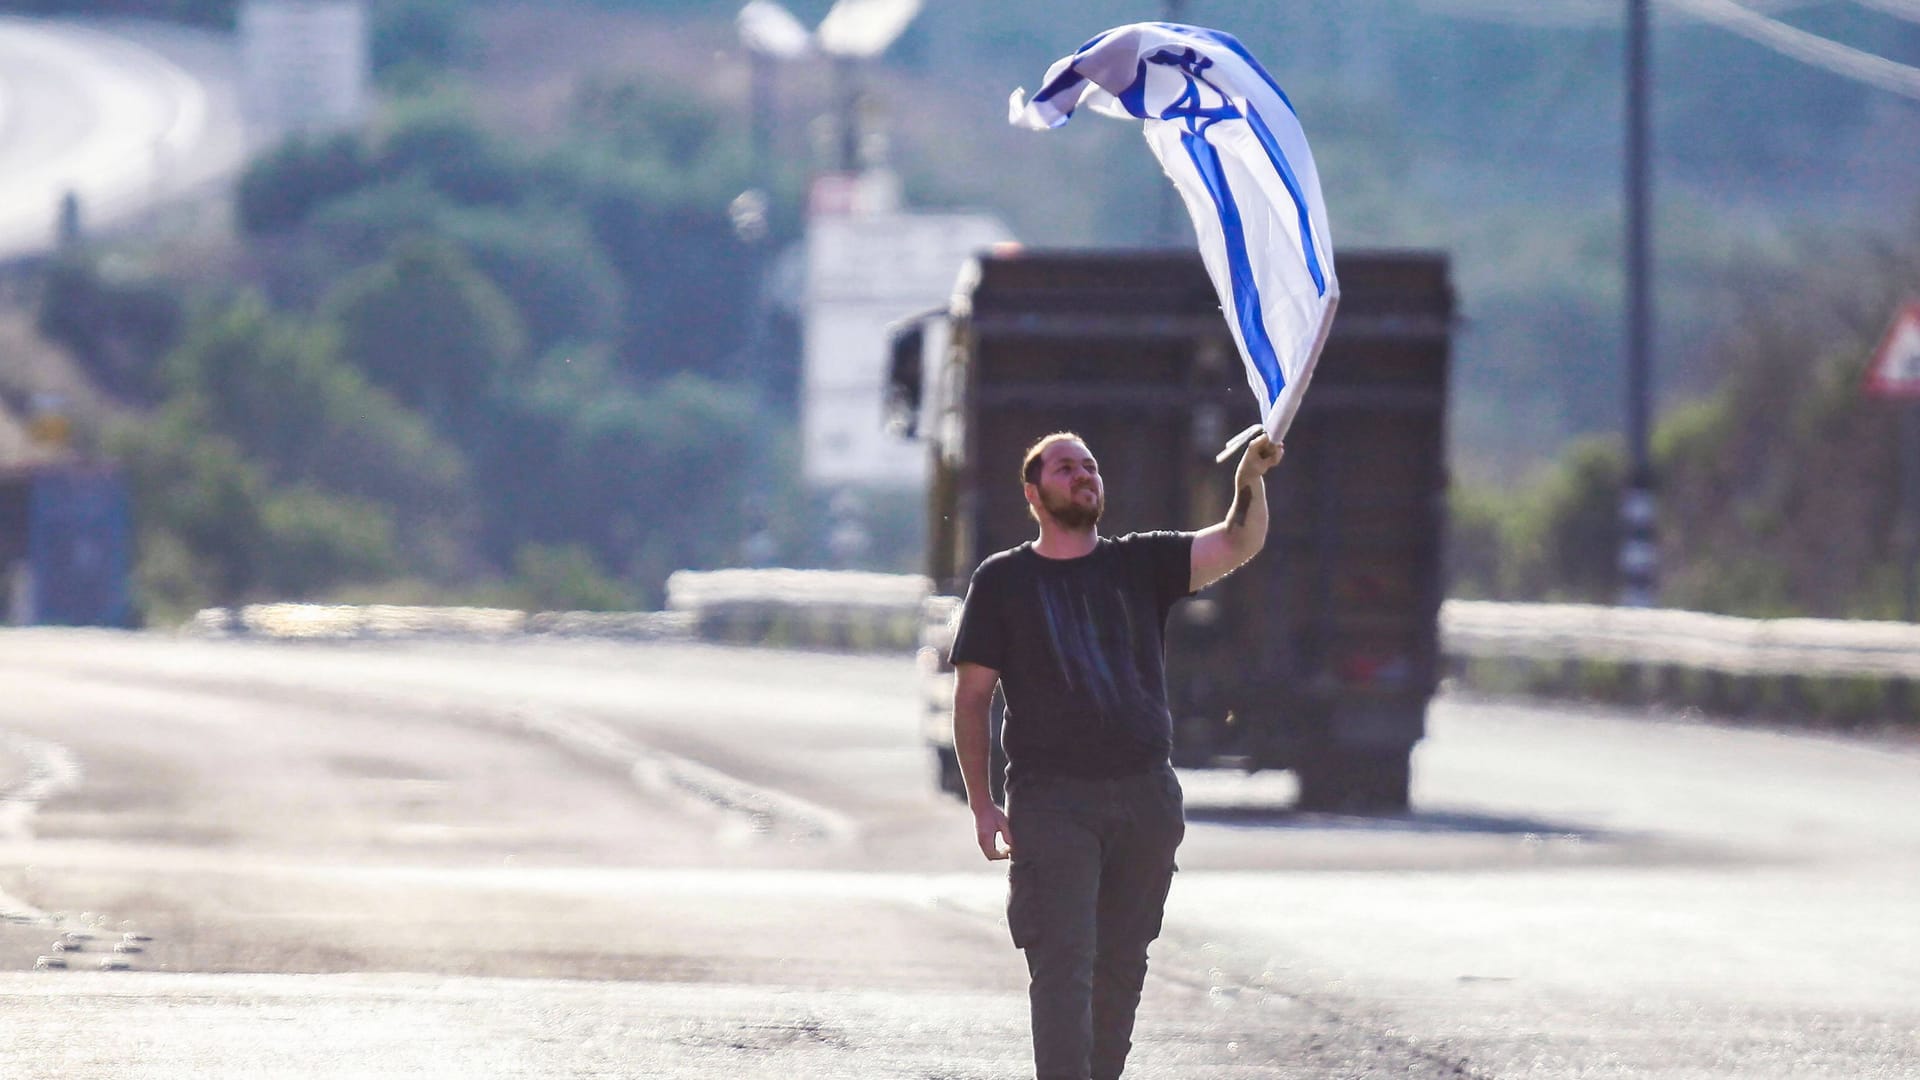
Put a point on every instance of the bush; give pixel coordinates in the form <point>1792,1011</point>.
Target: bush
<point>564,578</point>
<point>317,542</point>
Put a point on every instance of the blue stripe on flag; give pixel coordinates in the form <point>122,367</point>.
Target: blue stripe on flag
<point>1246,292</point>
<point>1068,79</point>
<point>1293,188</point>
<point>1233,45</point>
<point>1134,97</point>
<point>1097,39</point>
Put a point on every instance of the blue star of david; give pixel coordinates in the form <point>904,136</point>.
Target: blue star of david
<point>1191,107</point>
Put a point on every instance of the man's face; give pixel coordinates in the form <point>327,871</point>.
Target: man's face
<point>1069,489</point>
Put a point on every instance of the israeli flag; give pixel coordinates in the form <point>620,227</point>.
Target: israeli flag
<point>1228,137</point>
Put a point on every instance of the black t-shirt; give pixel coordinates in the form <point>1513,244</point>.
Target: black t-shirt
<point>1079,645</point>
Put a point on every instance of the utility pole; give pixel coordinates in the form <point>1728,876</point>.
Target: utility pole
<point>1639,548</point>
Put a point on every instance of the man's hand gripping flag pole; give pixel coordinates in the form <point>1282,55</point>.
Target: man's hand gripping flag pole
<point>1228,138</point>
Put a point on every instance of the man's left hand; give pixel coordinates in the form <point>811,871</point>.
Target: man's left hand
<point>1262,454</point>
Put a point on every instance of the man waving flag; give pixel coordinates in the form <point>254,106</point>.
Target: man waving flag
<point>1228,137</point>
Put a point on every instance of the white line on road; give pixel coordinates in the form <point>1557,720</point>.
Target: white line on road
<point>757,811</point>
<point>51,769</point>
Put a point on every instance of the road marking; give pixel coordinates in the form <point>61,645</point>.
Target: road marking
<point>756,811</point>
<point>51,769</point>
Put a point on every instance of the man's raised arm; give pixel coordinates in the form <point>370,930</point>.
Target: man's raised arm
<point>1219,550</point>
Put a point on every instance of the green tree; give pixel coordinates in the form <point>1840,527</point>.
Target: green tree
<point>277,386</point>
<point>428,326</point>
<point>197,504</point>
<point>411,41</point>
<point>437,137</point>
<point>648,477</point>
<point>542,257</point>
<point>279,190</point>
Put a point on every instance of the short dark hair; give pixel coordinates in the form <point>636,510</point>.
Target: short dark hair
<point>1030,465</point>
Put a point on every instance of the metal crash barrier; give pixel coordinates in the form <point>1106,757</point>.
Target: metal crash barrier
<point>832,609</point>
<point>1805,670</point>
<point>1838,671</point>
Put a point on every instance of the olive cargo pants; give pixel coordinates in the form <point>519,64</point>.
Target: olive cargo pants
<point>1093,860</point>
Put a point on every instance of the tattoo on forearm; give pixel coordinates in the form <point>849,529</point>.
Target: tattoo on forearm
<point>1242,505</point>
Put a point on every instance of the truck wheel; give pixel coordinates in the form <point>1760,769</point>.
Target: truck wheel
<point>1355,781</point>
<point>946,766</point>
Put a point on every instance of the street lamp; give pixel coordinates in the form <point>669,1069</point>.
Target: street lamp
<point>854,32</point>
<point>771,35</point>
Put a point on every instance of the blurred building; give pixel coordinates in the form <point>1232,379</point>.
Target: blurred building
<point>306,65</point>
<point>870,263</point>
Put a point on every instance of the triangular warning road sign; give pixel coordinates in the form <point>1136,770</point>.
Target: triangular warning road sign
<point>1895,370</point>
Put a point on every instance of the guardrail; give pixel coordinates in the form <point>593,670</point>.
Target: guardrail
<point>325,622</point>
<point>1839,672</point>
<point>1824,670</point>
<point>810,608</point>
<point>1657,638</point>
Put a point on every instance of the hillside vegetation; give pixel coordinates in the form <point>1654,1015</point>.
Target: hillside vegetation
<point>515,343</point>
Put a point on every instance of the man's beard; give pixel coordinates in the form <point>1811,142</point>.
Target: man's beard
<point>1071,514</point>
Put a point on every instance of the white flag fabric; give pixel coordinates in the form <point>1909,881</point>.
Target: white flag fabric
<point>1228,137</point>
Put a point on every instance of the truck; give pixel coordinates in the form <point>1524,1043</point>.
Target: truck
<point>1319,656</point>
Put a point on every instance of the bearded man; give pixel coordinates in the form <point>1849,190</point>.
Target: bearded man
<point>1070,626</point>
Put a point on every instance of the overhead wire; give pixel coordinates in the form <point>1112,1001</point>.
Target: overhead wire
<point>1754,25</point>
<point>1899,9</point>
<point>1586,13</point>
<point>1845,60</point>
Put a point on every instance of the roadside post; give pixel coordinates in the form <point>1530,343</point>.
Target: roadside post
<point>1894,375</point>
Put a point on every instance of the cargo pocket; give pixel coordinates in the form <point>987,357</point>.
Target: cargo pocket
<point>1023,902</point>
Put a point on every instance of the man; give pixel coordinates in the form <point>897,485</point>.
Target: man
<point>1070,627</point>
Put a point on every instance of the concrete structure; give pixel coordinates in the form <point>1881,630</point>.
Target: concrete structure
<point>306,65</point>
<point>869,264</point>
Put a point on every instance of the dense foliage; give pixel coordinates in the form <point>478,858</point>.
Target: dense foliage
<point>1779,492</point>
<point>454,364</point>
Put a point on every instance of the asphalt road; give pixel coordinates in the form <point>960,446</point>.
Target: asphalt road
<point>125,115</point>
<point>567,858</point>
